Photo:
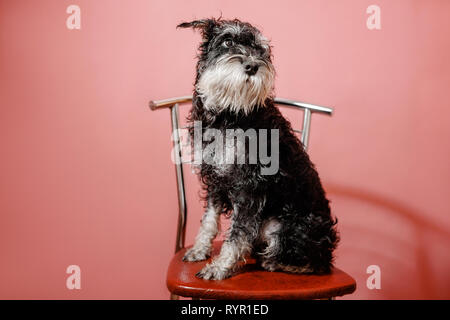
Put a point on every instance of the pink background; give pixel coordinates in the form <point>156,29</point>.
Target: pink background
<point>85,171</point>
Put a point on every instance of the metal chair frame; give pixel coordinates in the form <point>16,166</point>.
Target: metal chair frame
<point>173,105</point>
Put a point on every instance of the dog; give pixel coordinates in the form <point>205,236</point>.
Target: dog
<point>282,219</point>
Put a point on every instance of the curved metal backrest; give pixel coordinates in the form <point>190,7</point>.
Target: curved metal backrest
<point>173,104</point>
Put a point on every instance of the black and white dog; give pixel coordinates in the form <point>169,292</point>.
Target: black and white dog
<point>283,218</point>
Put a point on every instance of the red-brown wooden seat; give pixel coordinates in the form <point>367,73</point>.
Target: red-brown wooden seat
<point>252,282</point>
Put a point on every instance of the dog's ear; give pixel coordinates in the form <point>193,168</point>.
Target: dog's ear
<point>205,26</point>
<point>196,24</point>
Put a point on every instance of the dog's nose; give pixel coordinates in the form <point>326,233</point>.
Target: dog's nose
<point>250,68</point>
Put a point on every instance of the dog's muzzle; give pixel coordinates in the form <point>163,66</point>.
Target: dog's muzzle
<point>236,82</point>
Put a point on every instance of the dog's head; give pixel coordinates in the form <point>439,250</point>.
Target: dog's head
<point>235,70</point>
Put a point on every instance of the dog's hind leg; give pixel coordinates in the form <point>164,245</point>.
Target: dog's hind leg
<point>305,245</point>
<point>270,265</point>
<point>208,230</point>
<point>270,236</point>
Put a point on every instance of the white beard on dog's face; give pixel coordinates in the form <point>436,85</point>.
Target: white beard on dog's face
<point>225,85</point>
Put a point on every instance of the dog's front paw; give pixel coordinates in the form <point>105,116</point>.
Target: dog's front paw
<point>194,254</point>
<point>213,271</point>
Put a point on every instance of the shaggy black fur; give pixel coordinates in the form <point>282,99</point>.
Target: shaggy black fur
<point>294,196</point>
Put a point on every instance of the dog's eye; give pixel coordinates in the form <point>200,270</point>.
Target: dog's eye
<point>228,43</point>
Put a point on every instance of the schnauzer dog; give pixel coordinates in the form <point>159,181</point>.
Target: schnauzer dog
<point>282,219</point>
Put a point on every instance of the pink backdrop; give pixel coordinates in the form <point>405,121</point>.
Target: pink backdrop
<point>85,171</point>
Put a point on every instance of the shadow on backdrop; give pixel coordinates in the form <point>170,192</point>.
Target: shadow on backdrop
<point>387,230</point>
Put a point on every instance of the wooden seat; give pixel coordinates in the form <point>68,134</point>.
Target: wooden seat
<point>252,282</point>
